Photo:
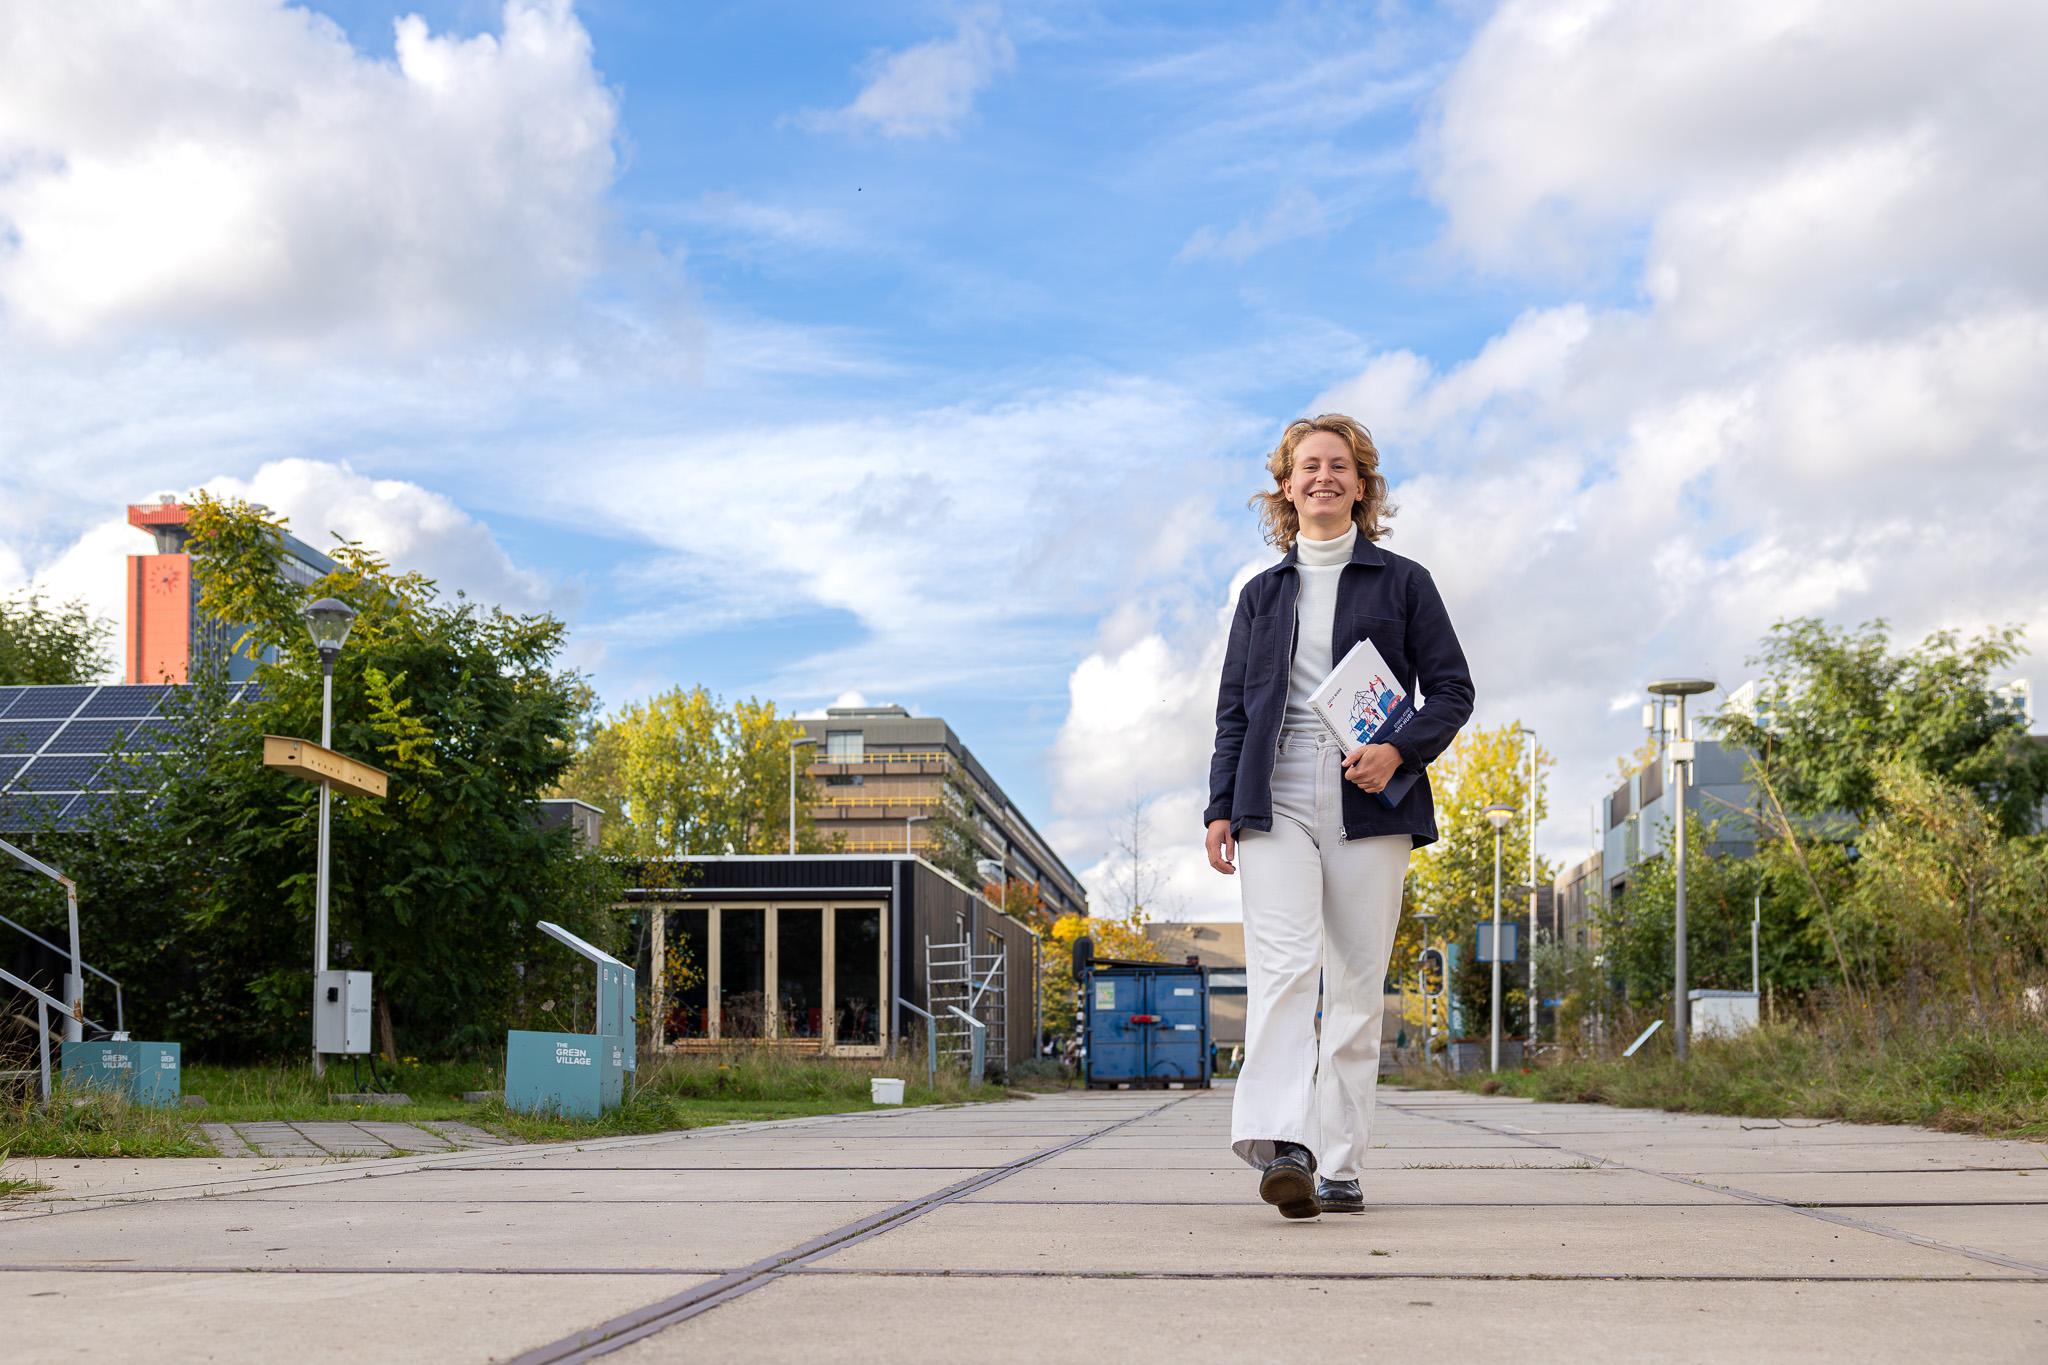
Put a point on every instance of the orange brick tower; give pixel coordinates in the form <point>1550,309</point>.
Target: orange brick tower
<point>162,603</point>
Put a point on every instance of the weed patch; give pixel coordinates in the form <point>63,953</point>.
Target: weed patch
<point>1989,1078</point>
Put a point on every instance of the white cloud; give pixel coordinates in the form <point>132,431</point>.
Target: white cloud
<point>1294,215</point>
<point>237,168</point>
<point>413,527</point>
<point>997,523</point>
<point>927,90</point>
<point>1825,402</point>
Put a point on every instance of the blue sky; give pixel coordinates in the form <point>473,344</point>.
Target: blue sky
<point>929,351</point>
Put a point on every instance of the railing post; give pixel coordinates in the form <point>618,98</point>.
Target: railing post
<point>43,1043</point>
<point>978,1042</point>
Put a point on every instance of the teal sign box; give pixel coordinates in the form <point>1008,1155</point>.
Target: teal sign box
<point>579,1074</point>
<point>147,1073</point>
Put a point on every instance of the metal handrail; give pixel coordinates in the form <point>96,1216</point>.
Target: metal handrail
<point>876,802</point>
<point>979,1066</point>
<point>885,757</point>
<point>931,1042</point>
<point>120,1016</point>
<point>44,1003</point>
<point>74,1011</point>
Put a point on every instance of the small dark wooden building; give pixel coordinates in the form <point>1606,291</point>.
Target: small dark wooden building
<point>819,952</point>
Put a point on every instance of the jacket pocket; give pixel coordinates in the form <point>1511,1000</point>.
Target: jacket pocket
<point>1266,644</point>
<point>1389,635</point>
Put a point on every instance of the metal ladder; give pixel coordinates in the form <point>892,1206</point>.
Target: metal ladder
<point>958,978</point>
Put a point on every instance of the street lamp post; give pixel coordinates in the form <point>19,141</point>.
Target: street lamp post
<point>794,745</point>
<point>327,621</point>
<point>1498,815</point>
<point>908,821</point>
<point>1681,764</point>
<point>1535,1010</point>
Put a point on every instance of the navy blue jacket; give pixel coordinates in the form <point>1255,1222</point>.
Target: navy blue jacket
<point>1379,595</point>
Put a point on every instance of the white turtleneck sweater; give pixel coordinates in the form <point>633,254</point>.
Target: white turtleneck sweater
<point>1319,562</point>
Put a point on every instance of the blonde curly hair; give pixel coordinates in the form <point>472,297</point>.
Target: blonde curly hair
<point>1278,518</point>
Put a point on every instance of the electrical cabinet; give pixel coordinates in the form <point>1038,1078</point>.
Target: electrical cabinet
<point>341,1013</point>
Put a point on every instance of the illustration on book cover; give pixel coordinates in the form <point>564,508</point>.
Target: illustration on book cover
<point>1370,707</point>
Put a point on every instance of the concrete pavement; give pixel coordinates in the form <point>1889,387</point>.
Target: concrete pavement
<point>1093,1225</point>
<point>347,1137</point>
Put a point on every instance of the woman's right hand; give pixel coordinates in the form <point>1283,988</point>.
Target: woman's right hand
<point>1222,848</point>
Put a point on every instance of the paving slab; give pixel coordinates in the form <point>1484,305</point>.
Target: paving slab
<point>1723,1159</point>
<point>242,1317</point>
<point>1898,1187</point>
<point>2019,1230</point>
<point>1218,1156</point>
<point>536,1185</point>
<point>1238,1184</point>
<point>70,1178</point>
<point>1587,1240</point>
<point>859,1319</point>
<point>316,1234</point>
<point>768,1157</point>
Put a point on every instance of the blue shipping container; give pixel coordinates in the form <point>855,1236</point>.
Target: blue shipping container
<point>1145,1024</point>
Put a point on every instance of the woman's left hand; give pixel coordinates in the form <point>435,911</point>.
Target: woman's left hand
<point>1370,767</point>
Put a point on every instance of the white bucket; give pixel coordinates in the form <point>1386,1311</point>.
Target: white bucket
<point>883,1090</point>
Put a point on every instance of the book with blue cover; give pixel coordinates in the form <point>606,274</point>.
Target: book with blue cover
<point>1360,703</point>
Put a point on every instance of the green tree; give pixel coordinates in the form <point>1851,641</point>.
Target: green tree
<point>1842,705</point>
<point>1117,936</point>
<point>1952,904</point>
<point>1453,878</point>
<point>684,773</point>
<point>40,643</point>
<point>437,886</point>
<point>196,877</point>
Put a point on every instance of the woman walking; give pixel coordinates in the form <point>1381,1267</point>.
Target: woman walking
<point>1322,855</point>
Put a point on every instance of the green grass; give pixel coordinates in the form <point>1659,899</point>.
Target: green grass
<point>1936,1070</point>
<point>9,1189</point>
<point>739,1086</point>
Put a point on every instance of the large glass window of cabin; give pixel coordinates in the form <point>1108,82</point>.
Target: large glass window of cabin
<point>857,976</point>
<point>800,972</point>
<point>687,974</point>
<point>742,971</point>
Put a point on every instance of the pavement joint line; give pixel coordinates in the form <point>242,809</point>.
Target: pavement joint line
<point>656,1317</point>
<point>1804,1211</point>
<point>1200,1203</point>
<point>984,1273</point>
<point>61,1267</point>
<point>643,1170</point>
<point>334,1169</point>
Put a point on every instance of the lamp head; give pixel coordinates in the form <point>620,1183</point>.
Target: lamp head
<point>1500,815</point>
<point>800,743</point>
<point>328,622</point>
<point>1682,687</point>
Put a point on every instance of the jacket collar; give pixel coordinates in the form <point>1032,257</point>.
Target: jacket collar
<point>1363,552</point>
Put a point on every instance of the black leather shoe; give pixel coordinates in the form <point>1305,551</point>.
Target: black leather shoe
<point>1289,1182</point>
<point>1339,1196</point>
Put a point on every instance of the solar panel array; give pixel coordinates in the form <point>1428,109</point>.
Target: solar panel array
<point>58,747</point>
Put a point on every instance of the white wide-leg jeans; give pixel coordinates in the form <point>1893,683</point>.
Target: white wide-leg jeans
<point>1316,905</point>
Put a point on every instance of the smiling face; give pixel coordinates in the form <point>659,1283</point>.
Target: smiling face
<point>1325,485</point>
